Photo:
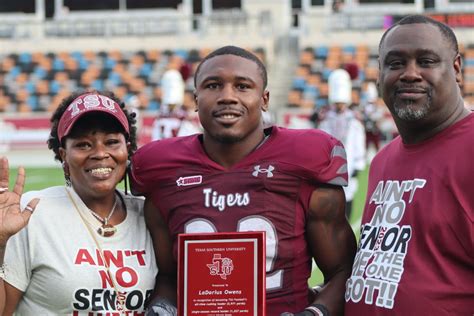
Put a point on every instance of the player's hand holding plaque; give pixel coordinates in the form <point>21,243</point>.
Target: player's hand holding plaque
<point>221,274</point>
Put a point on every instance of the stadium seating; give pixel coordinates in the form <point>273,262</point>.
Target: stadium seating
<point>36,82</point>
<point>309,85</point>
<point>468,73</point>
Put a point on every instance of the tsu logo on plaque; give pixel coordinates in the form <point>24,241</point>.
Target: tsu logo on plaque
<point>220,266</point>
<point>221,274</point>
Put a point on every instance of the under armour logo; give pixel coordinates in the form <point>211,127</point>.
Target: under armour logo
<point>268,171</point>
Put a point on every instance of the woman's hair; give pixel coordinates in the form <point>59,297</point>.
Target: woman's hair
<point>54,143</point>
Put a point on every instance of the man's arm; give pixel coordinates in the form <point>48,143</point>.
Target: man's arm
<point>332,244</point>
<point>165,286</point>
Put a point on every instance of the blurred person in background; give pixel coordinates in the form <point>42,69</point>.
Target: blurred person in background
<point>415,254</point>
<point>342,123</point>
<point>337,5</point>
<point>372,116</point>
<point>175,116</point>
<point>172,87</point>
<point>86,247</point>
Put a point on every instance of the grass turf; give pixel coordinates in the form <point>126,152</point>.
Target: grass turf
<point>39,178</point>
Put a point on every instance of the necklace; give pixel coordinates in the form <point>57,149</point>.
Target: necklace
<point>106,230</point>
<point>120,304</point>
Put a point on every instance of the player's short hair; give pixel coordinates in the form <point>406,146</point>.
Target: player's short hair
<point>445,30</point>
<point>54,143</point>
<point>236,51</point>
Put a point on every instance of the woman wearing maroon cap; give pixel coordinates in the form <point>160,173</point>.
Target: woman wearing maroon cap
<point>86,247</point>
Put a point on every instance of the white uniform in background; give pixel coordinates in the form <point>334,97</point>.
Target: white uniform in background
<point>172,89</point>
<point>341,123</point>
<point>172,119</point>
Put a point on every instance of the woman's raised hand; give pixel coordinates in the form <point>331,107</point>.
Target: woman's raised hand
<point>12,218</point>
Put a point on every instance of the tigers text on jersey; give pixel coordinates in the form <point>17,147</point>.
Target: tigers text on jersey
<point>269,190</point>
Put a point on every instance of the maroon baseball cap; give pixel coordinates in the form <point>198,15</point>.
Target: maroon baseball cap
<point>90,103</point>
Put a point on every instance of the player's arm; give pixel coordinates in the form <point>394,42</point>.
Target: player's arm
<point>332,244</point>
<point>165,286</point>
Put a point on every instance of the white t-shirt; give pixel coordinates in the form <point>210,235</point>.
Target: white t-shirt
<point>55,261</point>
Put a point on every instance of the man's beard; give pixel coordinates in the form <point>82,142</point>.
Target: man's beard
<point>407,110</point>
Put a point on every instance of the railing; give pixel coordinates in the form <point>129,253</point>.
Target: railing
<point>112,24</point>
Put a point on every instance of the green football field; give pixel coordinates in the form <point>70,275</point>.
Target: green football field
<point>39,178</point>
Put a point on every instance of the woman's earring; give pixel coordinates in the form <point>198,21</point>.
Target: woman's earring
<point>125,177</point>
<point>66,173</point>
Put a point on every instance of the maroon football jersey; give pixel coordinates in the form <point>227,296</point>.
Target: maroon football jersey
<point>416,254</point>
<point>269,190</point>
